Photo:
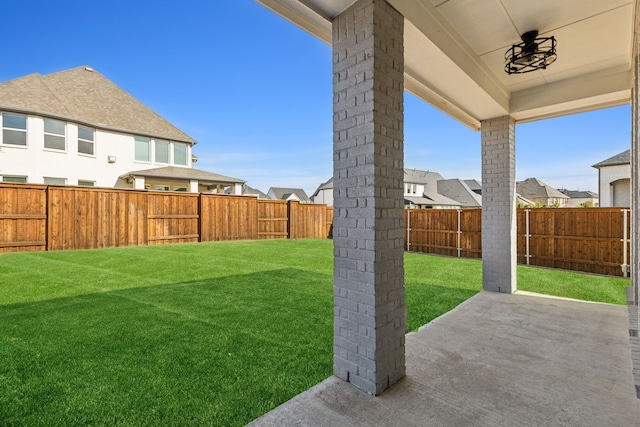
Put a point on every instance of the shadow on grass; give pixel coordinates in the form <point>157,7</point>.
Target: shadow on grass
<point>216,352</point>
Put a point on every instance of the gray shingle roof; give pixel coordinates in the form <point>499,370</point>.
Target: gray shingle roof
<point>85,96</point>
<point>250,191</point>
<point>415,176</point>
<point>533,188</point>
<point>577,194</point>
<point>173,172</point>
<point>324,186</point>
<point>623,158</point>
<point>459,191</point>
<point>284,193</point>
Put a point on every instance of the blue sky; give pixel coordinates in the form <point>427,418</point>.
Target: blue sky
<point>255,91</point>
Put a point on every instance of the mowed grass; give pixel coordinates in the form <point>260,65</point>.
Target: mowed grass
<point>198,334</point>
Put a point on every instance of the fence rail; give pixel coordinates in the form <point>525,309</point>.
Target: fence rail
<point>593,240</point>
<point>38,217</point>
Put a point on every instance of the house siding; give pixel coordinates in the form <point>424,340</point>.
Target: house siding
<point>35,162</point>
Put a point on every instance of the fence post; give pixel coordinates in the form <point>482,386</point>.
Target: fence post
<point>458,235</point>
<point>409,230</point>
<point>527,235</point>
<point>625,242</point>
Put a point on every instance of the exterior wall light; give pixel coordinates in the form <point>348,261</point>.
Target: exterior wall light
<point>531,54</point>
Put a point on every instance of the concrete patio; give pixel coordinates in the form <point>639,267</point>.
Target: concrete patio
<point>496,360</point>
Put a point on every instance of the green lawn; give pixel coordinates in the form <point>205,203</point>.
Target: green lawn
<point>198,334</point>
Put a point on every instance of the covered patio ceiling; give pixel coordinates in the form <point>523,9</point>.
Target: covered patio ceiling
<point>454,53</point>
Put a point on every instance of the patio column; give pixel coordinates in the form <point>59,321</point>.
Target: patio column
<point>368,132</point>
<point>499,205</point>
<point>635,168</point>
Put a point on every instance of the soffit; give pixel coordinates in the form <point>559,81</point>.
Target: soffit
<point>454,53</point>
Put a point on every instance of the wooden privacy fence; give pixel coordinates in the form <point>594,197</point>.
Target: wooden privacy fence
<point>594,240</point>
<point>38,217</point>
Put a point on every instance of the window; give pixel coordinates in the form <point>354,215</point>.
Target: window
<point>86,142</point>
<point>179,154</point>
<point>86,183</point>
<point>182,189</point>
<point>160,188</point>
<point>142,149</point>
<point>14,129</point>
<point>54,134</point>
<point>410,188</point>
<point>162,151</point>
<point>8,178</point>
<point>55,181</point>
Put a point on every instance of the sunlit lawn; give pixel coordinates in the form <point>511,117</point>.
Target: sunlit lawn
<point>198,334</point>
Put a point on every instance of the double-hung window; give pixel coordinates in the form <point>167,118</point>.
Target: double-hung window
<point>14,129</point>
<point>55,135</point>
<point>142,149</point>
<point>179,154</point>
<point>162,151</point>
<point>86,141</point>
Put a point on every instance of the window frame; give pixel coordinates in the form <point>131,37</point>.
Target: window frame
<point>86,183</point>
<point>61,181</point>
<point>83,140</point>
<point>4,128</point>
<point>17,179</point>
<point>139,139</point>
<point>55,135</point>
<point>186,153</point>
<point>168,151</point>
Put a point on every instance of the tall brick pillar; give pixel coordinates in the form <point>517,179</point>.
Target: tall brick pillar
<point>368,132</point>
<point>499,205</point>
<point>635,167</point>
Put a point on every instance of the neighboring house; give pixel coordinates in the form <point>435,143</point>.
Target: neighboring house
<point>76,127</point>
<point>581,198</point>
<point>298,194</point>
<point>171,178</point>
<point>421,191</point>
<point>614,180</point>
<point>459,190</point>
<point>474,186</point>
<point>538,192</point>
<point>324,194</point>
<point>250,191</point>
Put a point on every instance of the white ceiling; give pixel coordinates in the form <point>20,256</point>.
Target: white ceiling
<point>454,53</point>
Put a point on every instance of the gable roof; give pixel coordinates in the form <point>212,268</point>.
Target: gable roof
<point>623,158</point>
<point>324,186</point>
<point>279,193</point>
<point>85,96</point>
<point>459,191</point>
<point>533,188</point>
<point>173,172</point>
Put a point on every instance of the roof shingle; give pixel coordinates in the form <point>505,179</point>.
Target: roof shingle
<point>85,96</point>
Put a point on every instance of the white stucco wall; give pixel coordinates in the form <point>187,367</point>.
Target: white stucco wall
<point>36,162</point>
<point>609,175</point>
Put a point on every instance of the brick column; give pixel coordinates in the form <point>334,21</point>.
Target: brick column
<point>499,205</point>
<point>368,127</point>
<point>635,170</point>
